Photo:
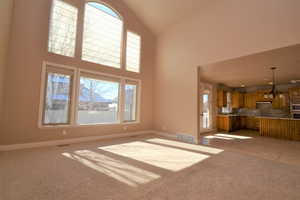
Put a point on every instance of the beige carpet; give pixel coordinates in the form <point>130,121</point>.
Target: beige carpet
<point>231,167</point>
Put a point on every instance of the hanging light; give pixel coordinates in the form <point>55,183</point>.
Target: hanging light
<point>272,93</point>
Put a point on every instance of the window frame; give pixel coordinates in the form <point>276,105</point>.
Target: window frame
<point>125,49</point>
<point>75,92</point>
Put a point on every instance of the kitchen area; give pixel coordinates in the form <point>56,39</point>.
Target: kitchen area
<point>259,108</point>
<point>258,93</point>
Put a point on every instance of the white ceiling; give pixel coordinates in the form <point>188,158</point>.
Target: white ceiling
<point>254,70</point>
<point>159,15</point>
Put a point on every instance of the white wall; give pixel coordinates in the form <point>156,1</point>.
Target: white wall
<point>224,30</point>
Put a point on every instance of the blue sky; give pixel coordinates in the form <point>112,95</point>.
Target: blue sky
<point>104,9</point>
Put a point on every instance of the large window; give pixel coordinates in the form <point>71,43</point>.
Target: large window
<point>98,101</point>
<point>57,97</point>
<point>133,52</point>
<point>73,96</point>
<point>102,38</point>
<point>62,35</point>
<point>102,35</point>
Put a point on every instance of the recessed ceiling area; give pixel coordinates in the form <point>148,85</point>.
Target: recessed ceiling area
<point>254,70</point>
<point>159,15</point>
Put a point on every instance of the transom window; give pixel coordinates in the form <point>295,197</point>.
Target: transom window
<point>102,35</point>
<point>62,35</point>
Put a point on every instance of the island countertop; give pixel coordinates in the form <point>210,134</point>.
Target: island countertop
<point>282,118</point>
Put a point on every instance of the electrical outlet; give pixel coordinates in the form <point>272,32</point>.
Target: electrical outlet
<point>64,132</point>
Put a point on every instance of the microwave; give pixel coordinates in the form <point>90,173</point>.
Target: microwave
<point>295,107</point>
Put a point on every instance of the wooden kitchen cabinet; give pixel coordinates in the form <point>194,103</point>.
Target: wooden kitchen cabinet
<point>294,94</point>
<point>260,95</point>
<point>243,122</point>
<point>280,128</point>
<point>250,100</point>
<point>281,101</point>
<point>252,123</point>
<point>294,91</point>
<point>224,123</point>
<point>222,98</point>
<point>237,100</point>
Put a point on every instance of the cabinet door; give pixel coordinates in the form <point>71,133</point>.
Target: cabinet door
<point>281,101</point>
<point>235,100</point>
<point>222,98</point>
<point>276,102</point>
<point>241,100</point>
<point>243,122</point>
<point>246,100</point>
<point>253,100</point>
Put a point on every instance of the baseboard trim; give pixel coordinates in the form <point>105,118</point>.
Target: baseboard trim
<point>167,135</point>
<point>71,141</point>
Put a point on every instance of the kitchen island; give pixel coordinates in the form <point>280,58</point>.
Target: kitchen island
<point>285,128</point>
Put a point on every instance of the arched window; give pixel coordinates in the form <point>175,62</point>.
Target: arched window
<point>102,35</point>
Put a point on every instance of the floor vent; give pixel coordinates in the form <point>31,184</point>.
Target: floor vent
<point>186,138</point>
<point>63,145</point>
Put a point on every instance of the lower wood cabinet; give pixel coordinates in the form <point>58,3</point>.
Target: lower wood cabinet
<point>280,128</point>
<point>233,123</point>
<point>224,123</point>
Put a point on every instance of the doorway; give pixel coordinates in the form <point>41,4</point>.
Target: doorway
<point>206,107</point>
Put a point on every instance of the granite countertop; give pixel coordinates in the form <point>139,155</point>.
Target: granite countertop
<point>283,118</point>
<point>266,117</point>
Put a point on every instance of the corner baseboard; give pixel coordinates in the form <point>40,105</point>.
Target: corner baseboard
<point>70,141</point>
<point>164,134</point>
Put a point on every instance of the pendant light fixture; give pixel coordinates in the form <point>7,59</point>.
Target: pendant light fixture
<point>272,93</point>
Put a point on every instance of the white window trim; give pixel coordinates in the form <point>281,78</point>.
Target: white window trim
<point>75,95</point>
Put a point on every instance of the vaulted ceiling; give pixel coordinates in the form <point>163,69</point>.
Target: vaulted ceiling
<point>159,15</point>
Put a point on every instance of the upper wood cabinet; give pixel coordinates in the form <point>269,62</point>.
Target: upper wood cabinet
<point>250,100</point>
<point>222,98</point>
<point>281,101</point>
<point>294,92</point>
<point>237,100</point>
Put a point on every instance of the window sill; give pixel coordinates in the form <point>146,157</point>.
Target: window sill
<point>86,125</point>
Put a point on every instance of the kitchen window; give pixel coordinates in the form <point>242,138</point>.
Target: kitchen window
<point>72,97</point>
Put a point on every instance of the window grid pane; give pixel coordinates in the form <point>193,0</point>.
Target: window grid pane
<point>98,101</point>
<point>130,103</point>
<point>102,37</point>
<point>133,52</point>
<point>63,25</point>
<point>57,99</point>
